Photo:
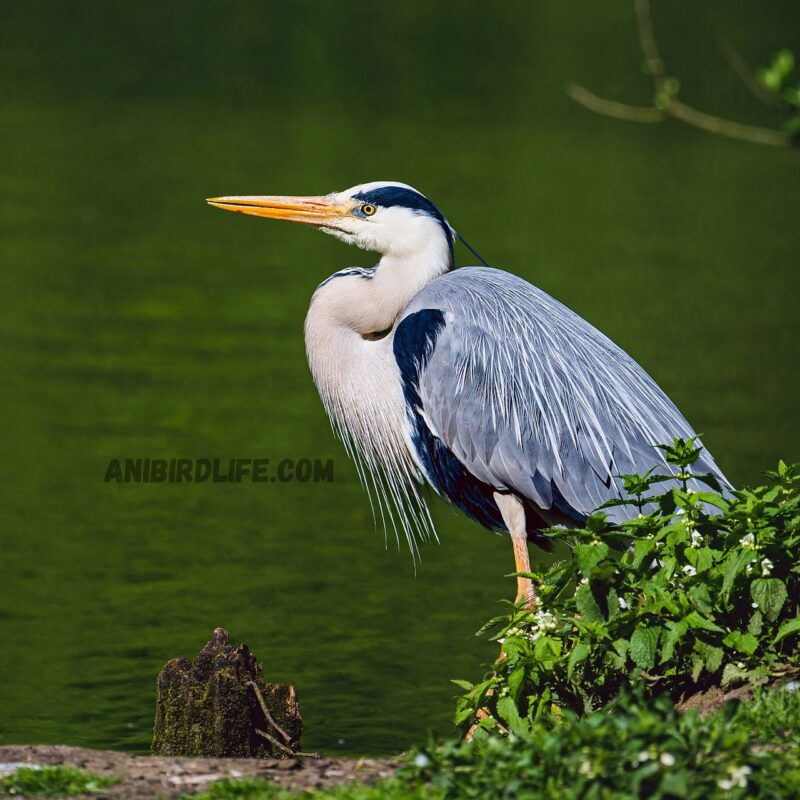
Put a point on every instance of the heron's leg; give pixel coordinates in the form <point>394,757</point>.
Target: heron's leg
<point>513,513</point>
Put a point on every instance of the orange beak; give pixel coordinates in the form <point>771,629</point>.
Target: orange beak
<point>318,210</point>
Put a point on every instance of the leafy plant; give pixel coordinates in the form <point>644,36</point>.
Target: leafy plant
<point>408,788</point>
<point>633,748</point>
<point>636,747</point>
<point>56,781</point>
<point>699,589</point>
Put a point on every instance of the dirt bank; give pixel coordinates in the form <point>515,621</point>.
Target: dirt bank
<point>166,777</point>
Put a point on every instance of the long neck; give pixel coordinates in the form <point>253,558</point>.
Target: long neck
<point>350,312</point>
<point>356,374</point>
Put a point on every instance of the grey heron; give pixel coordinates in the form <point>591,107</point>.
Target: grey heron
<point>505,401</point>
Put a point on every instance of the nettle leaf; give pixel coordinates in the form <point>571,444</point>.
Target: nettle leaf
<point>465,685</point>
<point>587,606</point>
<point>507,711</point>
<point>547,649</point>
<point>734,564</point>
<point>700,598</point>
<point>756,623</point>
<point>515,681</point>
<point>514,647</point>
<point>579,653</point>
<point>787,629</point>
<point>644,644</point>
<point>589,556</point>
<point>712,656</point>
<point>700,558</point>
<point>741,642</point>
<point>711,499</point>
<point>770,594</point>
<point>463,714</point>
<point>641,549</point>
<point>732,673</point>
<point>675,631</point>
<point>697,620</point>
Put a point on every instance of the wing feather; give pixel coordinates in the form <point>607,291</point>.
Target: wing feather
<point>531,398</point>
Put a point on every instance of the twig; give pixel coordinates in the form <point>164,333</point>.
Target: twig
<point>725,127</point>
<point>267,715</point>
<point>288,750</point>
<point>668,104</point>
<point>647,38</point>
<point>746,75</point>
<point>610,108</point>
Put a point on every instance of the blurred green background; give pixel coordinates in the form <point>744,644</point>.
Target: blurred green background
<point>137,321</point>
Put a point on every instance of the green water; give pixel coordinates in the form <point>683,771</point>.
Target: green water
<point>136,321</point>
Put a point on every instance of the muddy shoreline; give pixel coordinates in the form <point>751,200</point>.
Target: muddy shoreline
<point>172,777</point>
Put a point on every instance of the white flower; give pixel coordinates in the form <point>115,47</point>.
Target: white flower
<point>622,604</point>
<point>766,567</point>
<point>689,570</point>
<point>697,539</point>
<point>585,768</point>
<point>748,569</point>
<point>737,778</point>
<point>642,757</point>
<point>421,760</point>
<point>667,759</point>
<point>748,541</point>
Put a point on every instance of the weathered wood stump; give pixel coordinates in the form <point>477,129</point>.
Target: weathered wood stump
<point>219,705</point>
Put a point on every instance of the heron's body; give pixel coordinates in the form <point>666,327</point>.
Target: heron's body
<point>507,403</point>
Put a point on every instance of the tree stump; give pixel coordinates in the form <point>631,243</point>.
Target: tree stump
<point>220,706</point>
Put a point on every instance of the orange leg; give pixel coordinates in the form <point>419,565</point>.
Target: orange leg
<point>513,513</point>
<point>524,585</point>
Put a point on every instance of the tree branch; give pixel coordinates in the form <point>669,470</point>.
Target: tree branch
<point>610,108</point>
<point>668,105</point>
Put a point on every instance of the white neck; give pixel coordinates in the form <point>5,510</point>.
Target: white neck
<point>358,378</point>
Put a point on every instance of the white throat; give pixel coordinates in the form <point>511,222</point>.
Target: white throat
<point>349,335</point>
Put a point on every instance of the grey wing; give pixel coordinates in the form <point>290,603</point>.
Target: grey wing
<point>531,398</point>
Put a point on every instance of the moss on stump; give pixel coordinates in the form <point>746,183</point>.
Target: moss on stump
<point>220,706</point>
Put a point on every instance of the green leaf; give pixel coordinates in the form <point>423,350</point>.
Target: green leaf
<point>547,649</point>
<point>696,620</point>
<point>465,685</point>
<point>641,549</point>
<point>756,623</point>
<point>580,652</point>
<point>732,673</point>
<point>463,714</point>
<point>741,642</point>
<point>514,647</point>
<point>507,711</point>
<point>643,646</point>
<point>787,629</point>
<point>675,631</point>
<point>770,595</point>
<point>701,599</point>
<point>700,558</point>
<point>589,556</point>
<point>587,605</point>
<point>712,656</point>
<point>515,680</point>
<point>734,564</point>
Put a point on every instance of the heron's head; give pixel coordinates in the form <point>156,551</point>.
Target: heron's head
<point>384,216</point>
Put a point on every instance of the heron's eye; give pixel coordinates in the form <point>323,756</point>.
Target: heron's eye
<point>368,210</point>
